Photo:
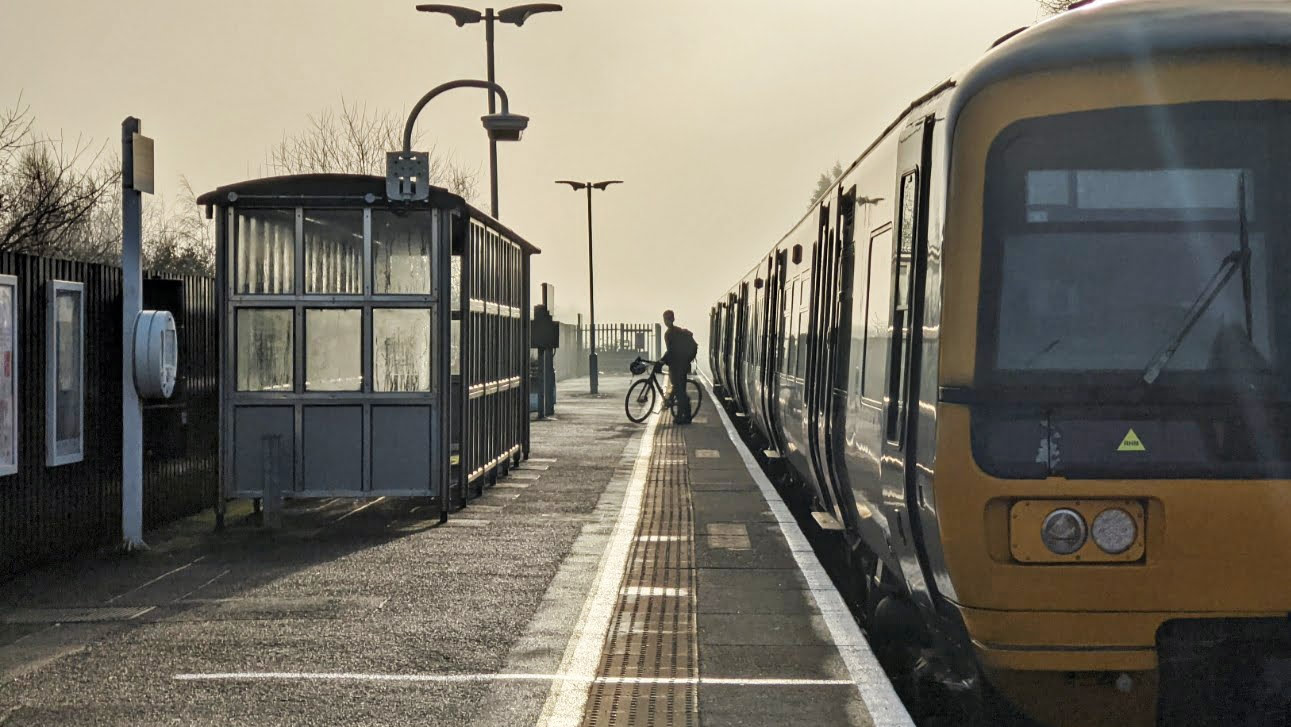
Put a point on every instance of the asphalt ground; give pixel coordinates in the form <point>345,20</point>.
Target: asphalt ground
<point>372,613</point>
<point>368,593</point>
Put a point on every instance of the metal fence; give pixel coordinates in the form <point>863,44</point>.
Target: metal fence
<point>48,512</point>
<point>617,344</point>
<point>635,338</point>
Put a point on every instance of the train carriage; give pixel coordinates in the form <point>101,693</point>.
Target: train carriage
<point>1029,354</point>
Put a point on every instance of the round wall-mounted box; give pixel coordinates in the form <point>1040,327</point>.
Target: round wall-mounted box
<point>156,354</point>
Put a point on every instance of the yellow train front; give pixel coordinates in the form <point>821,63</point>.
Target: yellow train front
<point>1033,354</point>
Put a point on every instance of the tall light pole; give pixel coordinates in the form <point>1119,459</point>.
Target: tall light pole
<point>591,271</point>
<point>513,15</point>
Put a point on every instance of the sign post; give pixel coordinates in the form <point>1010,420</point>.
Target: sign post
<point>136,179</point>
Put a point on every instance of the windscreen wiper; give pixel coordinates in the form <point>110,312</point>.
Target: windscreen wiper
<point>1239,258</point>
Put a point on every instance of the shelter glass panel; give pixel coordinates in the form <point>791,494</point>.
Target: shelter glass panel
<point>266,257</point>
<point>456,351</point>
<point>401,349</point>
<point>455,287</point>
<point>264,349</point>
<point>334,252</point>
<point>402,251</point>
<point>333,349</point>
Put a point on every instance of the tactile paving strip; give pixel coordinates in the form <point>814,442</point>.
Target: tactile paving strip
<point>652,635</point>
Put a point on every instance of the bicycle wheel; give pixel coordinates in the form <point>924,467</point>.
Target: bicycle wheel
<point>696,393</point>
<point>640,400</point>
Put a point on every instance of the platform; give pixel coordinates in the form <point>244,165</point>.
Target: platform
<point>626,575</point>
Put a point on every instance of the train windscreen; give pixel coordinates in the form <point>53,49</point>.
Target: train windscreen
<point>1142,248</point>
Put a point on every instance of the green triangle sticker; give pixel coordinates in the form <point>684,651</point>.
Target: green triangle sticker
<point>1131,443</point>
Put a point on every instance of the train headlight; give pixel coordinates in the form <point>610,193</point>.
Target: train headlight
<point>1114,531</point>
<point>1064,531</point>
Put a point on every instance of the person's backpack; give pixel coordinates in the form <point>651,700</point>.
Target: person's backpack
<point>687,349</point>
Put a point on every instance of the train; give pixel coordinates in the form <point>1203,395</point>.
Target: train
<point>1027,359</point>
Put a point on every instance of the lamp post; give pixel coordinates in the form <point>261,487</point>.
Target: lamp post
<point>591,271</point>
<point>514,15</point>
<point>408,172</point>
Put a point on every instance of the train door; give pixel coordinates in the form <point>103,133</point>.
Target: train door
<point>766,347</point>
<point>833,402</point>
<point>824,289</point>
<point>909,261</point>
<point>773,338</point>
<point>740,338</point>
<point>716,344</point>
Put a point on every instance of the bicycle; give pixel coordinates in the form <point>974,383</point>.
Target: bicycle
<point>641,397</point>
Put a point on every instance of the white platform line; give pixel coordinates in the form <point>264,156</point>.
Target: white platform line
<point>159,578</point>
<point>568,696</point>
<point>358,510</point>
<point>885,707</point>
<point>580,680</point>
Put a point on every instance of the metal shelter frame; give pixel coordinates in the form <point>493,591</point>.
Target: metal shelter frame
<point>365,403</point>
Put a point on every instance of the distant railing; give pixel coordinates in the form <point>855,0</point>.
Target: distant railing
<point>643,339</point>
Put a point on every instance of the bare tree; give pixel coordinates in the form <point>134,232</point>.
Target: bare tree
<point>354,140</point>
<point>61,200</point>
<point>48,188</point>
<point>825,181</point>
<point>1053,7</point>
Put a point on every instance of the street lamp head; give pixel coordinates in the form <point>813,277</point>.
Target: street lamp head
<point>572,185</point>
<point>504,126</point>
<point>520,13</point>
<point>602,185</point>
<point>460,15</point>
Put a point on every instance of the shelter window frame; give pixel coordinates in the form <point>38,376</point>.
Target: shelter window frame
<point>61,450</point>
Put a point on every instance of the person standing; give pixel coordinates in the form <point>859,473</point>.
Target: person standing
<point>680,351</point>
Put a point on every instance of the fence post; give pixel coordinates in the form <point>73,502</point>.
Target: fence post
<point>658,341</point>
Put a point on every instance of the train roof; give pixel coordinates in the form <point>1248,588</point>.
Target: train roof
<point>326,190</point>
<point>1114,31</point>
<point>1106,31</point>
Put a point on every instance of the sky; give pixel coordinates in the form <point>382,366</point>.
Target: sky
<point>719,115</point>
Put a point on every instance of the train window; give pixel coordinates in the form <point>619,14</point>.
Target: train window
<point>333,349</point>
<point>266,257</point>
<point>800,365</point>
<point>900,352</point>
<point>909,200</point>
<point>401,349</point>
<point>1138,195</point>
<point>334,252</point>
<point>1077,234</point>
<point>401,253</point>
<point>875,315</point>
<point>265,349</point>
<point>791,342</point>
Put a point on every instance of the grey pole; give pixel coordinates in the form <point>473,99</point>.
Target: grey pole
<point>516,16</point>
<point>131,304</point>
<point>493,143</point>
<point>593,372</point>
<point>441,88</point>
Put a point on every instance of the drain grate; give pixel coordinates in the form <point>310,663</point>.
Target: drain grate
<point>653,631</point>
